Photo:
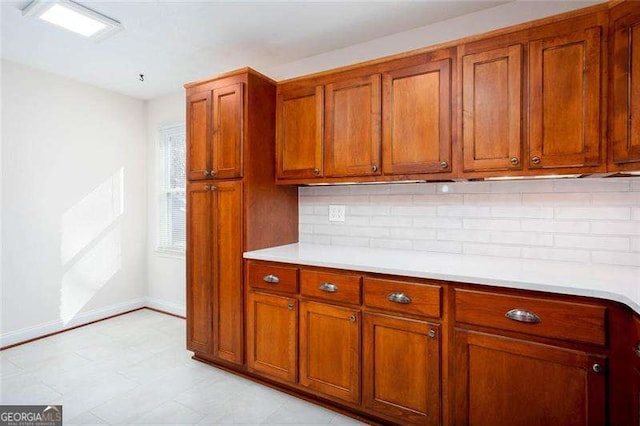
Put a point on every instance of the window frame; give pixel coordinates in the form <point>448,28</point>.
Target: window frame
<point>163,217</point>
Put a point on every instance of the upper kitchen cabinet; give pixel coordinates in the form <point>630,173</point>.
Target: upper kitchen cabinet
<point>492,109</point>
<point>625,86</point>
<point>198,135</point>
<point>299,133</point>
<point>215,133</point>
<point>416,110</point>
<point>352,127</point>
<point>565,99</point>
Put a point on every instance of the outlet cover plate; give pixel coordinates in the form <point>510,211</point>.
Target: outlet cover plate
<point>337,213</point>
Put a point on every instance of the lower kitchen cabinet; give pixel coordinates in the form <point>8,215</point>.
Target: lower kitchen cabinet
<point>330,350</point>
<point>505,381</point>
<point>402,368</point>
<point>272,336</point>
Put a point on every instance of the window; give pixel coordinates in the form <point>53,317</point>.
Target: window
<point>172,231</point>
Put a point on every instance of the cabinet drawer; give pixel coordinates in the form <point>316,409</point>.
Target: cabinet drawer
<point>276,278</point>
<point>542,317</point>
<point>400,296</point>
<point>331,286</point>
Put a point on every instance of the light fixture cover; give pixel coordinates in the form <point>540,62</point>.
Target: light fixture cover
<point>73,17</point>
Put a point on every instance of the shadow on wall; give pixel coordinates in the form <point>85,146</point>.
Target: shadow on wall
<point>91,244</point>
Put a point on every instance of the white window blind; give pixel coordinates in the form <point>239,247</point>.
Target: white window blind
<point>172,232</point>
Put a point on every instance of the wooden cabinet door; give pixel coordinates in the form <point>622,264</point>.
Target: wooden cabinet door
<point>625,77</point>
<point>272,336</point>
<point>330,350</point>
<point>564,100</point>
<point>492,109</point>
<point>417,119</point>
<point>352,127</point>
<point>227,131</point>
<point>299,116</point>
<point>199,277</point>
<point>198,136</point>
<point>503,381</point>
<point>227,272</point>
<point>402,368</point>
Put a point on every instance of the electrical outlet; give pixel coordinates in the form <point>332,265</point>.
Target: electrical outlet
<point>337,213</point>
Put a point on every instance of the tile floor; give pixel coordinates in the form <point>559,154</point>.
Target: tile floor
<point>134,369</point>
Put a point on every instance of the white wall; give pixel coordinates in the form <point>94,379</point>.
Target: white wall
<point>581,220</point>
<point>512,13</point>
<point>74,203</point>
<point>166,272</point>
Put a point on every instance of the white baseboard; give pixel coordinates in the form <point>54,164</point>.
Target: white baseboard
<point>170,307</point>
<point>82,318</point>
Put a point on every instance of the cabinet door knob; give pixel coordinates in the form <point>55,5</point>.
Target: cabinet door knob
<point>535,160</point>
<point>399,297</point>
<point>271,279</point>
<point>212,172</point>
<point>597,368</point>
<point>353,318</point>
<point>316,172</point>
<point>432,334</point>
<point>521,315</point>
<point>444,164</point>
<point>329,287</point>
<point>205,172</point>
<point>636,348</point>
<point>515,161</point>
<point>290,306</point>
<point>374,168</point>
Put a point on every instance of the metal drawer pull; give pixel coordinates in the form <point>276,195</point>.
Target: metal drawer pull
<point>399,297</point>
<point>329,287</point>
<point>521,315</point>
<point>271,279</point>
<point>636,348</point>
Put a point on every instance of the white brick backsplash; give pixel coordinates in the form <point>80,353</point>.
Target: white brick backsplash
<point>615,228</point>
<point>616,198</point>
<point>413,211</point>
<point>464,235</point>
<point>523,212</point>
<point>580,220</point>
<point>438,246</point>
<point>567,226</point>
<point>492,224</point>
<point>491,250</point>
<point>437,222</point>
<point>615,258</point>
<point>464,211</point>
<point>493,199</point>
<point>592,242</point>
<point>555,199</point>
<point>621,213</point>
<point>522,238</point>
<point>556,254</point>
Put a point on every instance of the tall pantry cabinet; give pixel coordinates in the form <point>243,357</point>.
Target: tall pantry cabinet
<point>233,204</point>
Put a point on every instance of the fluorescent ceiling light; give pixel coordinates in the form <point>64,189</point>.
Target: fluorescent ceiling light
<point>73,17</point>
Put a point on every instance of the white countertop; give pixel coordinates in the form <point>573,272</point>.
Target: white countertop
<point>617,283</point>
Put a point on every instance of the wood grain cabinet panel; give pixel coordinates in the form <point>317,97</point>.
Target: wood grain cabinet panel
<point>227,269</point>
<point>352,127</point>
<point>625,78</point>
<point>417,119</point>
<point>330,350</point>
<point>272,336</point>
<point>492,109</point>
<point>402,368</point>
<point>198,135</point>
<point>501,381</point>
<point>199,276</point>
<point>299,137</point>
<point>564,100</point>
<point>227,131</point>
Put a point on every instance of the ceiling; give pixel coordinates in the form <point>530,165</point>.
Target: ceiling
<point>173,42</point>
